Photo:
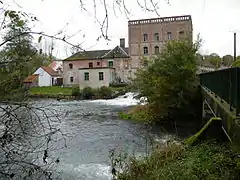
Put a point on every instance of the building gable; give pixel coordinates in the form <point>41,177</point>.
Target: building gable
<point>116,52</point>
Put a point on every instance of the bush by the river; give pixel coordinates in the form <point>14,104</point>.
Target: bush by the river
<point>169,82</point>
<point>208,160</point>
<point>76,91</point>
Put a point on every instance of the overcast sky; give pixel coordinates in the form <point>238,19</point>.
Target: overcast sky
<point>215,20</point>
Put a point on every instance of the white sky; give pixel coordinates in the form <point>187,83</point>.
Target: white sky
<point>215,20</point>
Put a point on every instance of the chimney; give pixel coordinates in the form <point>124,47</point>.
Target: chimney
<point>122,43</point>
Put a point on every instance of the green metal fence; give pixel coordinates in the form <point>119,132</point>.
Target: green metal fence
<point>226,84</point>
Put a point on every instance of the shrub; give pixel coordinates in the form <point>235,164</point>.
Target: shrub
<point>105,92</point>
<point>208,160</point>
<point>87,93</point>
<point>118,85</point>
<point>169,82</point>
<point>76,91</point>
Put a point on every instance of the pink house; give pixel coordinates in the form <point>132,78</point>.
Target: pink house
<point>97,68</point>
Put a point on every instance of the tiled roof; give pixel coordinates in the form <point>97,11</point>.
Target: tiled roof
<point>53,64</point>
<point>49,70</point>
<point>117,52</point>
<point>31,78</point>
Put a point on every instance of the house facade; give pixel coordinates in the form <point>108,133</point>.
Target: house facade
<point>47,76</point>
<point>87,68</point>
<point>96,77</point>
<point>146,38</point>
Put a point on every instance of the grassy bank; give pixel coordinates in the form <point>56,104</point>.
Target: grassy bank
<point>134,113</point>
<point>75,92</point>
<point>208,160</point>
<point>51,90</point>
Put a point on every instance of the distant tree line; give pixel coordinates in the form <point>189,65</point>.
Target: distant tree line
<point>216,61</point>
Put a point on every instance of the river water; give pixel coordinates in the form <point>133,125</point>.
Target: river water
<point>93,128</point>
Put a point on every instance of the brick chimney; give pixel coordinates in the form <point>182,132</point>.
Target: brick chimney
<point>122,43</point>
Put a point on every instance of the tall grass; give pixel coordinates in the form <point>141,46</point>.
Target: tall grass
<point>208,160</point>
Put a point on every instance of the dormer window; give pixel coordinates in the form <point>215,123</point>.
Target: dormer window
<point>90,65</point>
<point>110,63</point>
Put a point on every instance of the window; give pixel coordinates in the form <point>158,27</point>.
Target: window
<point>156,50</point>
<point>145,50</point>
<point>71,79</point>
<point>100,76</point>
<point>181,34</point>
<point>156,36</point>
<point>110,63</point>
<point>90,65</point>
<point>98,63</point>
<point>126,64</point>
<point>70,66</point>
<point>86,76</point>
<point>169,35</point>
<point>145,37</point>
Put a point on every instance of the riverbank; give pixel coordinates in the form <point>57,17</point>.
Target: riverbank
<point>140,114</point>
<point>71,93</point>
<point>208,160</point>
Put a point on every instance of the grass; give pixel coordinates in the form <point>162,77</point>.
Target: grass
<point>135,113</point>
<point>51,90</point>
<point>208,160</point>
<point>67,91</point>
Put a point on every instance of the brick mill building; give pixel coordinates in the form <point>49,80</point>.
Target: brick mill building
<point>146,38</point>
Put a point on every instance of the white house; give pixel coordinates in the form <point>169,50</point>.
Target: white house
<point>47,76</point>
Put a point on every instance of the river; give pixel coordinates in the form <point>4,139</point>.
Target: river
<point>93,128</point>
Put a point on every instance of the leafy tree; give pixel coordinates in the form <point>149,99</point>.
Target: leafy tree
<point>227,60</point>
<point>214,59</point>
<point>170,81</point>
<point>26,130</point>
<point>237,62</point>
<point>16,58</point>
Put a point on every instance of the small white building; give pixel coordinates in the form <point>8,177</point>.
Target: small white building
<point>47,76</point>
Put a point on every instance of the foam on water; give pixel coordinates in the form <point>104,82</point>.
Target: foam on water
<point>90,171</point>
<point>124,100</point>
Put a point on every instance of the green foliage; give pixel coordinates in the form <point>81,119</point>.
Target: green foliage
<point>169,83</point>
<point>208,160</point>
<point>139,113</point>
<point>214,59</point>
<point>227,60</point>
<point>125,116</point>
<point>237,62</point>
<point>18,57</point>
<point>200,134</point>
<point>76,91</point>
<point>88,93</point>
<point>116,85</point>
<point>51,90</point>
<point>104,92</point>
